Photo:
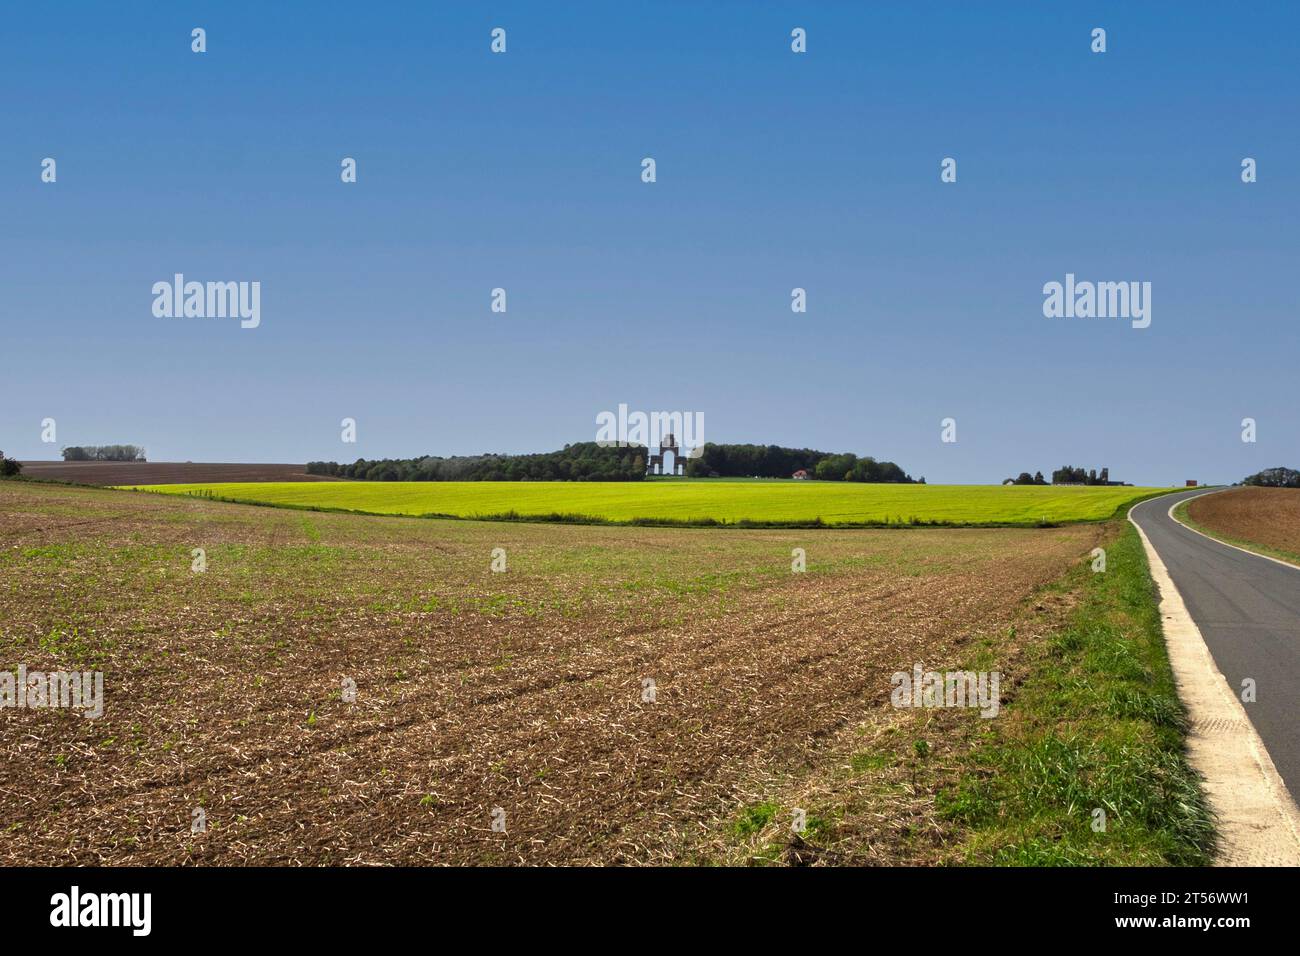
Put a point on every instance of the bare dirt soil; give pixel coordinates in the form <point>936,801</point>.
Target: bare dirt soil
<point>163,472</point>
<point>476,691</point>
<point>1268,517</point>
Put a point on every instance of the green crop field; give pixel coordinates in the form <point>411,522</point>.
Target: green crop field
<point>775,502</point>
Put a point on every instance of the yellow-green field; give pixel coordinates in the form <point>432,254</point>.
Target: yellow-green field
<point>693,502</point>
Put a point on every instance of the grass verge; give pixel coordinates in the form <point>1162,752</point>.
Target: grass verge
<point>1084,764</point>
<point>1089,767</point>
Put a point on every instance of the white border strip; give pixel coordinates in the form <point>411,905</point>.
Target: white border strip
<point>1258,821</point>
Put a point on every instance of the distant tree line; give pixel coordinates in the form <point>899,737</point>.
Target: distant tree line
<point>103,453</point>
<point>1274,478</point>
<point>584,461</point>
<point>9,466</point>
<point>1068,475</point>
<point>1025,478</point>
<point>588,461</point>
<point>773,461</point>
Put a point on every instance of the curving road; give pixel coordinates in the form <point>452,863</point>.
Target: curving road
<point>1247,608</point>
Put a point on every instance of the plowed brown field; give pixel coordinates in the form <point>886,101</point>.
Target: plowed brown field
<point>163,472</point>
<point>476,690</point>
<point>1268,517</point>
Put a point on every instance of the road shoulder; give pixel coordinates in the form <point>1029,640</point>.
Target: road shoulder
<point>1258,822</point>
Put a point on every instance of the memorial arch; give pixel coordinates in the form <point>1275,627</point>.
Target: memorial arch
<point>676,462</point>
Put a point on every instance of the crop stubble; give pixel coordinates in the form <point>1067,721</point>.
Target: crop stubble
<point>476,690</point>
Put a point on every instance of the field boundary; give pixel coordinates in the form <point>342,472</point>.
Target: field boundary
<point>1095,723</point>
<point>1092,731</point>
<point>746,524</point>
<point>1258,821</point>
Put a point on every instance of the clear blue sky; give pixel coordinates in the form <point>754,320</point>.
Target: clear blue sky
<point>775,170</point>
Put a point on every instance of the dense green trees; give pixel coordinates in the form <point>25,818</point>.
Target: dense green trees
<point>1274,478</point>
<point>746,461</point>
<point>589,461</point>
<point>1069,475</point>
<point>9,466</point>
<point>584,461</point>
<point>773,461</point>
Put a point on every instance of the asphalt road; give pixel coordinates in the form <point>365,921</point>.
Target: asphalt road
<point>1248,611</point>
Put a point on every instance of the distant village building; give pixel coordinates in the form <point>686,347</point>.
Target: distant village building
<point>801,474</point>
<point>1191,483</point>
